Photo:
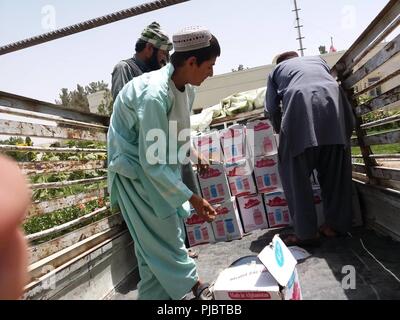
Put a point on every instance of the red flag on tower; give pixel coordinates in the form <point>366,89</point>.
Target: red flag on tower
<point>332,48</point>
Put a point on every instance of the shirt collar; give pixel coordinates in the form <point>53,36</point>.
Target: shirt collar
<point>142,66</point>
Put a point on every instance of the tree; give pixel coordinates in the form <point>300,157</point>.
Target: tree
<point>240,68</point>
<point>77,99</point>
<point>65,97</point>
<point>322,50</point>
<point>96,86</point>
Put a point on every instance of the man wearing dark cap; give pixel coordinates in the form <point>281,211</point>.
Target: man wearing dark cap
<point>315,124</point>
<point>152,53</point>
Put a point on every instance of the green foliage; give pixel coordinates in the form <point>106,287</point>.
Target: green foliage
<point>94,87</point>
<point>379,149</point>
<point>380,115</point>
<point>17,155</point>
<point>59,217</point>
<point>77,99</point>
<point>106,106</point>
<point>47,194</point>
<point>363,99</point>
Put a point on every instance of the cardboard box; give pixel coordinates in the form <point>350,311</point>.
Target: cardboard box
<point>198,231</point>
<point>214,184</point>
<point>227,225</point>
<point>251,278</point>
<point>281,263</point>
<point>277,210</point>
<point>252,212</point>
<point>266,174</point>
<point>209,146</point>
<point>240,177</point>
<point>260,138</point>
<point>233,142</point>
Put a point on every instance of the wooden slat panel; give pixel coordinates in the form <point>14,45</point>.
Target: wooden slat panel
<point>57,119</point>
<point>43,250</point>
<point>384,55</point>
<point>359,168</point>
<point>380,23</point>
<point>381,38</point>
<point>383,100</point>
<point>360,177</point>
<point>40,208</point>
<point>386,156</point>
<point>24,103</point>
<point>390,137</point>
<point>378,83</point>
<point>386,173</point>
<point>16,128</point>
<point>55,185</point>
<point>379,156</point>
<point>65,226</point>
<point>5,148</point>
<point>31,168</point>
<point>381,122</point>
<point>70,274</point>
<point>381,205</point>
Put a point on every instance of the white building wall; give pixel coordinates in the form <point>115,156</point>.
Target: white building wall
<point>214,89</point>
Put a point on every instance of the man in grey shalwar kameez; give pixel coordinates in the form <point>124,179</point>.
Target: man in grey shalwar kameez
<point>315,124</point>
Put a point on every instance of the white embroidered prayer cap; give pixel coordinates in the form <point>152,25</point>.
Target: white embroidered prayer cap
<point>191,38</point>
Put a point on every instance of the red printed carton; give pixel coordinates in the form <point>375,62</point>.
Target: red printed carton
<point>233,142</point>
<point>214,184</point>
<point>198,231</point>
<point>227,225</point>
<point>209,146</point>
<point>240,177</point>
<point>252,212</point>
<point>266,174</point>
<point>249,279</point>
<point>260,138</point>
<point>277,210</point>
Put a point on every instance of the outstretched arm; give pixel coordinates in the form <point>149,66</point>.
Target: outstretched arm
<point>14,203</point>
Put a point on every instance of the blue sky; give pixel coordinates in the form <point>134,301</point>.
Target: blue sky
<point>250,32</point>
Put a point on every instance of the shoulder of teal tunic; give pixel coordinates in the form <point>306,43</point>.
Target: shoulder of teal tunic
<point>143,104</point>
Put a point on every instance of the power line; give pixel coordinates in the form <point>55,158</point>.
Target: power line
<point>298,27</point>
<point>87,25</point>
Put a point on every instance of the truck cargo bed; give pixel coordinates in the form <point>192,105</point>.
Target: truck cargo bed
<point>320,275</point>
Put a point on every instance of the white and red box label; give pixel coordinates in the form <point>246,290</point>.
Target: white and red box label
<point>260,138</point>
<point>233,142</point>
<point>214,184</point>
<point>198,231</point>
<point>227,225</point>
<point>252,212</point>
<point>240,177</point>
<point>266,174</point>
<point>277,210</point>
<point>209,146</point>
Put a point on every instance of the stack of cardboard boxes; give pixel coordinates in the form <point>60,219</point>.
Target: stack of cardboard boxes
<point>264,150</point>
<point>243,182</point>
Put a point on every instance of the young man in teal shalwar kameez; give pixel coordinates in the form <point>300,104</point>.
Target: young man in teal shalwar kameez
<point>144,176</point>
